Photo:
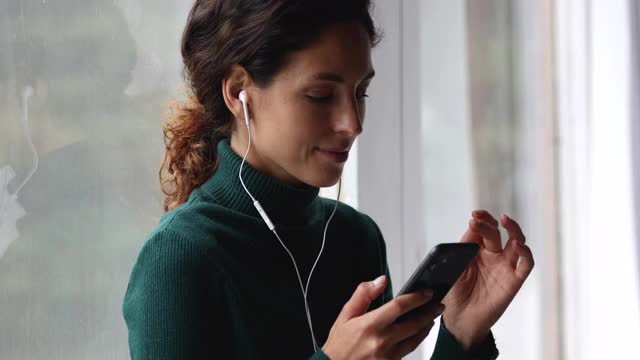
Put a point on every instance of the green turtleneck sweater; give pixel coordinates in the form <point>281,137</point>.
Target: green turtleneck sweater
<point>212,281</point>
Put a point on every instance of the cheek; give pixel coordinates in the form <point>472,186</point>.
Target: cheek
<point>288,137</point>
<point>297,124</point>
<point>307,122</point>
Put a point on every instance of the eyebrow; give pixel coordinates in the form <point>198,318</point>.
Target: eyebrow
<point>338,78</point>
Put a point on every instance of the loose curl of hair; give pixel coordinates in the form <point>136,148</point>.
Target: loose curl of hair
<point>259,35</point>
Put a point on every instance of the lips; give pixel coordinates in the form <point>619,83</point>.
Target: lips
<point>338,156</point>
<point>336,150</point>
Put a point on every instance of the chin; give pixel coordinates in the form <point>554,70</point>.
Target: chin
<point>325,180</point>
<point>320,175</point>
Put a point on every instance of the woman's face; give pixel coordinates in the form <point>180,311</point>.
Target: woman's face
<point>304,123</point>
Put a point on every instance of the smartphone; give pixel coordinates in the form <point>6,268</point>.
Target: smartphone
<point>440,269</point>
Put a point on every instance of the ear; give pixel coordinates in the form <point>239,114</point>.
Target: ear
<point>236,80</point>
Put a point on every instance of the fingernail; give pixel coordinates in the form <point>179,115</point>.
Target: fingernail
<point>428,292</point>
<point>378,281</point>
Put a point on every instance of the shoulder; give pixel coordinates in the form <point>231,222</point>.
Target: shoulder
<point>168,253</point>
<point>191,225</point>
<point>179,246</point>
<point>173,288</point>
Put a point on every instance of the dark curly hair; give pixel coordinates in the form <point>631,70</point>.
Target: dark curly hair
<point>259,35</point>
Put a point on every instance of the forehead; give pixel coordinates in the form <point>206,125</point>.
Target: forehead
<point>341,49</point>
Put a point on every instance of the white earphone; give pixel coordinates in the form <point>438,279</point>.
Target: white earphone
<point>243,98</point>
<point>265,217</point>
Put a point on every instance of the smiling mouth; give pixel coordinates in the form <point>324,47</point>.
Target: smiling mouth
<point>336,156</point>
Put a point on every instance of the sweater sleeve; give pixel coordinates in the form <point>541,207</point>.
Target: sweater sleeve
<point>170,304</point>
<point>448,348</point>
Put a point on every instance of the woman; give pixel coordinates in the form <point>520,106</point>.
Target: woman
<point>278,98</point>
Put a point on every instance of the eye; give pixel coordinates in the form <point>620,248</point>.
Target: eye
<point>320,99</point>
<point>362,97</point>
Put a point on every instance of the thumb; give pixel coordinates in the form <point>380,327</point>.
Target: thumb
<point>365,293</point>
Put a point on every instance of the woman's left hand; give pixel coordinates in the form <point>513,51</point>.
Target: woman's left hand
<point>486,288</point>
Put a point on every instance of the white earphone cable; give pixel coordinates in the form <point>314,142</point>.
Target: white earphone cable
<point>303,288</point>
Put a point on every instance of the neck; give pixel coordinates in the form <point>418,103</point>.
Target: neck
<point>283,202</point>
<point>239,146</point>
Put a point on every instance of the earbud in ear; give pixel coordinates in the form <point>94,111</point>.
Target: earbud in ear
<point>243,98</point>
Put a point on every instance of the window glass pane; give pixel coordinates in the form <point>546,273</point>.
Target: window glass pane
<point>484,134</point>
<point>86,83</point>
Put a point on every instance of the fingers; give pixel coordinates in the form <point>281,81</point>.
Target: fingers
<point>471,236</point>
<point>408,345</point>
<point>389,312</point>
<point>490,234</point>
<point>513,229</point>
<point>526,261</point>
<point>365,293</point>
<point>418,319</point>
<point>485,226</point>
<point>511,252</point>
<point>485,216</point>
<point>516,250</point>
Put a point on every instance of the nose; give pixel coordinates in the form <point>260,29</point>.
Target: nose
<point>351,120</point>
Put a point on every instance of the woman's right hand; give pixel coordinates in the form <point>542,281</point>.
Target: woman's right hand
<point>358,334</point>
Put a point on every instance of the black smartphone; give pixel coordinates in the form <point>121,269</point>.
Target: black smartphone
<point>440,269</point>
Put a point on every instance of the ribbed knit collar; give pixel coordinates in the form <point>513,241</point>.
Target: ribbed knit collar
<point>285,203</point>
